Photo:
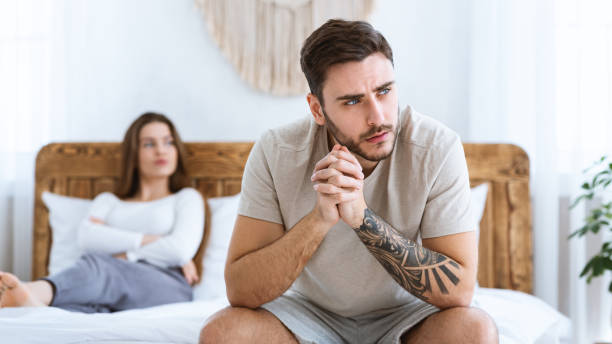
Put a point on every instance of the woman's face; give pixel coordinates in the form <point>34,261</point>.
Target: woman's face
<point>157,154</point>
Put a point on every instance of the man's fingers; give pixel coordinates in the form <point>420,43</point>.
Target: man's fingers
<point>325,174</point>
<point>338,180</point>
<point>328,188</point>
<point>347,168</point>
<point>337,167</point>
<point>325,162</point>
<point>331,189</point>
<point>339,197</point>
<point>338,152</point>
<point>346,155</point>
<point>346,182</point>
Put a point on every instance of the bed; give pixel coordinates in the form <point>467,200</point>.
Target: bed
<point>86,169</point>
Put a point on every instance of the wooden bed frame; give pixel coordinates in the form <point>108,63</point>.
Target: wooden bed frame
<point>505,247</point>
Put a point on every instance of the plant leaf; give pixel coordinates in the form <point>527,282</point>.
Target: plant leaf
<point>594,227</point>
<point>596,180</point>
<point>579,232</point>
<point>598,266</point>
<point>587,267</point>
<point>596,213</point>
<point>598,218</point>
<point>580,198</point>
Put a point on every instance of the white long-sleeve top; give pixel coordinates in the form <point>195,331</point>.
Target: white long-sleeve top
<point>178,218</point>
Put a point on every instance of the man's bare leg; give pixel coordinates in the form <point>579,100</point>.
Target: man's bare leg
<point>454,325</point>
<point>244,325</point>
<point>14,293</point>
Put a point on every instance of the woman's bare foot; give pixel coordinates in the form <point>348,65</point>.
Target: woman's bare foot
<point>14,293</point>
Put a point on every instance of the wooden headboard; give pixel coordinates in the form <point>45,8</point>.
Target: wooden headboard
<point>505,248</point>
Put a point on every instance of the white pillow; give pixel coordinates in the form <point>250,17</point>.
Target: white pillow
<point>223,213</point>
<point>65,215</point>
<point>479,200</point>
<point>520,317</point>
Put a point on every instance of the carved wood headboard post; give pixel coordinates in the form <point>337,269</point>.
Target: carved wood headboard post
<point>505,247</point>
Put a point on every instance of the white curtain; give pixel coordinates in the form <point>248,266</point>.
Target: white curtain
<point>30,44</point>
<point>541,78</point>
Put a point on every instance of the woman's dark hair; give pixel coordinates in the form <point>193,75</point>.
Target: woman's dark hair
<point>338,41</point>
<point>129,180</point>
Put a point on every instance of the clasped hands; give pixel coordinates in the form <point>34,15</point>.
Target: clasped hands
<point>338,181</point>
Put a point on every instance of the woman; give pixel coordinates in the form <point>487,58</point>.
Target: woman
<point>138,243</point>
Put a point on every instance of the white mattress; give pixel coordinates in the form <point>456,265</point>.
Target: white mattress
<point>521,318</point>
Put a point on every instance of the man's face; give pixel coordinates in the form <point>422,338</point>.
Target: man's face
<point>361,108</point>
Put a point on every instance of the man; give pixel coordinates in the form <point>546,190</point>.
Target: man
<point>326,245</point>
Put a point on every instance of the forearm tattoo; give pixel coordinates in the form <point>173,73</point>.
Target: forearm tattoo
<point>413,266</point>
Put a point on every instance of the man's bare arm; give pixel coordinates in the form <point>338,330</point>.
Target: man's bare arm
<point>442,271</point>
<point>429,275</point>
<point>263,262</point>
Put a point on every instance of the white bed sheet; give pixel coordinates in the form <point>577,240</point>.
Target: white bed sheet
<point>521,318</point>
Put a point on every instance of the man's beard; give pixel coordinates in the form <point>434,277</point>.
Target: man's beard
<point>353,146</point>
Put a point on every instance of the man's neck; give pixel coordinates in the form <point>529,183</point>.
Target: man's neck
<point>367,165</point>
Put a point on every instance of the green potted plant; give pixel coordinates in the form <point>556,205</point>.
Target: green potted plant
<point>599,218</point>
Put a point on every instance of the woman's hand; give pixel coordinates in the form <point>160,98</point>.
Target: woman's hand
<point>120,256</point>
<point>149,238</point>
<point>96,220</point>
<point>190,272</point>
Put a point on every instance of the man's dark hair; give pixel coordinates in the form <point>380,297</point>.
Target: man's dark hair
<point>338,41</point>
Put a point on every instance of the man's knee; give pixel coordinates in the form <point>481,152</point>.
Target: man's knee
<point>224,326</point>
<point>458,324</point>
<point>482,328</point>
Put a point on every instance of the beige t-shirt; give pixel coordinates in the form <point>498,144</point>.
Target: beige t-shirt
<point>422,188</point>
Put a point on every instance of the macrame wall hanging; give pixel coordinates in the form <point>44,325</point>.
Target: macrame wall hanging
<point>263,38</point>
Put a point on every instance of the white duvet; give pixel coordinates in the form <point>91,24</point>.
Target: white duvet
<point>521,318</point>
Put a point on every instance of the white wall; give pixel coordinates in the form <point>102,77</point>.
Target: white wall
<point>126,57</point>
<point>430,41</point>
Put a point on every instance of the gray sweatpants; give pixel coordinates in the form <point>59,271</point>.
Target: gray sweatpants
<point>99,283</point>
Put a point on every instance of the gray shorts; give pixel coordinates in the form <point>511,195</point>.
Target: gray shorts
<point>313,324</point>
